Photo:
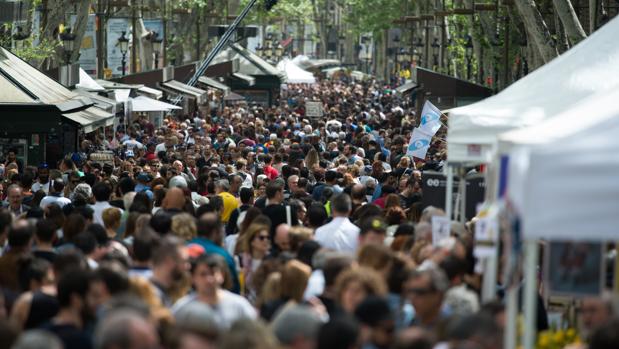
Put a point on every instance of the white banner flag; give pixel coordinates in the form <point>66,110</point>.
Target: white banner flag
<point>430,118</point>
<point>419,144</point>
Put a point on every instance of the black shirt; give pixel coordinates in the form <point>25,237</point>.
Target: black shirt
<point>71,336</point>
<point>277,215</point>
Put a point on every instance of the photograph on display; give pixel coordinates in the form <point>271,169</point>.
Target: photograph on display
<point>575,268</point>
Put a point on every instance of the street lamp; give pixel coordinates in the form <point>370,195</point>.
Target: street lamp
<point>68,42</point>
<point>19,37</point>
<point>436,47</point>
<point>279,51</point>
<point>419,45</point>
<point>156,41</point>
<point>468,46</point>
<point>123,43</point>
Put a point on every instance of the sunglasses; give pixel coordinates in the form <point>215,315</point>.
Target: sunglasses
<point>262,237</point>
<point>419,291</point>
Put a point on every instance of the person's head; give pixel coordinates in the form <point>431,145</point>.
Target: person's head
<point>605,336</point>
<point>596,311</point>
<point>296,327</point>
<point>377,321</point>
<point>246,195</point>
<point>330,177</point>
<point>43,173</point>
<point>316,215</point>
<point>256,240</point>
<point>249,334</point>
<point>341,205</point>
<point>282,237</point>
<point>126,329</point>
<point>372,230</point>
<point>294,278</point>
<point>73,290</point>
<point>222,185</point>
<point>102,191</point>
<point>426,289</point>
<point>293,183</point>
<point>20,235</point>
<point>341,332</point>
<point>174,199</point>
<point>209,273</point>
<point>111,218</point>
<point>144,243</point>
<point>184,226</point>
<point>45,231</point>
<point>275,192</point>
<point>355,284</point>
<point>34,273</point>
<point>376,256</point>
<point>209,227</point>
<point>169,261</point>
<point>37,339</point>
<point>235,183</point>
<point>15,196</point>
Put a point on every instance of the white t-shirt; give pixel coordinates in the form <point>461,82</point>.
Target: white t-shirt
<point>132,143</point>
<point>36,186</point>
<point>231,308</point>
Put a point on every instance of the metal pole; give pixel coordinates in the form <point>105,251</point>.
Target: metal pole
<point>449,191</point>
<point>531,255</point>
<point>164,43</point>
<point>218,47</point>
<point>509,341</point>
<point>198,35</point>
<point>506,53</point>
<point>134,41</point>
<point>100,54</point>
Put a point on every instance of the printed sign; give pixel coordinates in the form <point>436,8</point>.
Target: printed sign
<point>313,109</point>
<point>441,229</point>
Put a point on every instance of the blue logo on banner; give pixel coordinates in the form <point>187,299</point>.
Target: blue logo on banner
<point>429,117</point>
<point>418,144</point>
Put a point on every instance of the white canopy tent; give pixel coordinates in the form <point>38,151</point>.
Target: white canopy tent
<point>563,172</point>
<point>87,83</point>
<point>589,67</point>
<point>145,104</point>
<point>294,74</point>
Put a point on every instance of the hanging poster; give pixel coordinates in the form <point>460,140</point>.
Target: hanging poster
<point>115,28</point>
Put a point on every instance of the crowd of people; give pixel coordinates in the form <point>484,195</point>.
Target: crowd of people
<point>244,228</point>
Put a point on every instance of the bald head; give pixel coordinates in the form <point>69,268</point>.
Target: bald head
<point>174,199</point>
<point>282,237</point>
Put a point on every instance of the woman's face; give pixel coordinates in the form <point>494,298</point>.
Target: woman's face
<point>261,242</point>
<point>353,295</point>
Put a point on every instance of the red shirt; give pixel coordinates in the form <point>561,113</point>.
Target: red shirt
<point>270,172</point>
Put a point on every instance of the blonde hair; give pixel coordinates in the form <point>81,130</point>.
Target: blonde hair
<point>295,276</point>
<point>375,256</point>
<point>369,279</point>
<point>250,233</point>
<point>111,218</point>
<point>184,226</point>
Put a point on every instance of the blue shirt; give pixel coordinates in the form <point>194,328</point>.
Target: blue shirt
<point>211,248</point>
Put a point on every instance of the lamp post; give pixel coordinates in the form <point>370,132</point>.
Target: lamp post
<point>18,38</point>
<point>123,44</point>
<point>436,47</point>
<point>68,42</point>
<point>366,42</point>
<point>419,45</point>
<point>156,41</point>
<point>468,46</point>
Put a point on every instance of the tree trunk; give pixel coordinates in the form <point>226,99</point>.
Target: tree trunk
<point>79,29</point>
<point>534,22</point>
<point>573,29</point>
<point>594,6</point>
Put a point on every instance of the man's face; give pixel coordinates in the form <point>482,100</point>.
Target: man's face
<point>206,279</point>
<point>293,184</point>
<point>15,198</point>
<point>593,313</point>
<point>179,265</point>
<point>43,175</point>
<point>97,295</point>
<point>424,298</point>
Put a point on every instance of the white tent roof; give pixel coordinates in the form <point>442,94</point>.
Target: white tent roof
<point>87,83</point>
<point>563,172</point>
<point>295,75</point>
<point>591,66</point>
<point>145,104</point>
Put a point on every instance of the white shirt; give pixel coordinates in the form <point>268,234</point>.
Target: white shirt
<point>339,235</point>
<point>160,147</point>
<point>36,186</point>
<point>231,308</point>
<point>98,208</point>
<point>132,143</point>
<point>58,200</point>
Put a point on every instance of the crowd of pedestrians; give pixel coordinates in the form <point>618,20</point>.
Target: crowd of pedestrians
<point>247,227</point>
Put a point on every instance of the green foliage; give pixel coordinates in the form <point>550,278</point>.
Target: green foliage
<point>374,16</point>
<point>290,10</point>
<point>33,54</point>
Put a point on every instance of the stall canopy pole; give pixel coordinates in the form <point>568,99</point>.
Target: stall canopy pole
<point>531,255</point>
<point>449,191</point>
<point>215,51</point>
<point>463,197</point>
<point>509,341</point>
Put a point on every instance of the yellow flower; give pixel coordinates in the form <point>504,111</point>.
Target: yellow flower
<point>543,341</point>
<point>559,337</point>
<point>570,334</point>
